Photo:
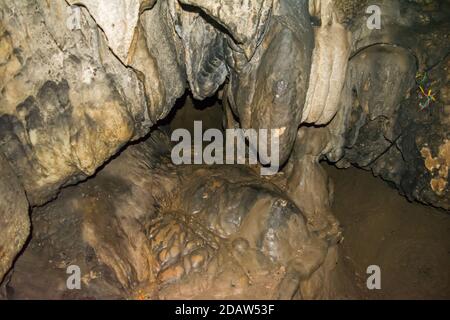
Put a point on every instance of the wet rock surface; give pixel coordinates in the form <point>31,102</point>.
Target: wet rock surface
<point>82,81</point>
<point>99,226</point>
<point>393,134</point>
<point>170,232</point>
<point>399,139</point>
<point>68,103</point>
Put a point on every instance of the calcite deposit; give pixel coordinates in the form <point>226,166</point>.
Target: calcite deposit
<point>87,88</point>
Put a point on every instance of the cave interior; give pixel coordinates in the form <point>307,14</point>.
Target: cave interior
<point>96,96</point>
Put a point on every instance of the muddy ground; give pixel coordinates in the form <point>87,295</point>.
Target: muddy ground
<point>410,242</point>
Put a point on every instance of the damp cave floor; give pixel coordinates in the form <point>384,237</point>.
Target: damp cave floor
<point>410,242</point>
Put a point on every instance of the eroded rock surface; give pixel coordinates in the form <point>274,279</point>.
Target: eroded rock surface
<point>269,91</point>
<point>385,123</point>
<point>100,226</point>
<point>14,218</point>
<point>68,103</point>
<point>80,80</point>
<point>171,232</point>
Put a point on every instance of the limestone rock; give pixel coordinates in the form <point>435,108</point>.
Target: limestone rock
<point>204,47</point>
<point>246,21</point>
<point>328,66</point>
<point>156,56</point>
<point>145,224</point>
<point>118,19</point>
<point>99,226</point>
<point>14,218</point>
<point>67,102</point>
<point>269,91</point>
<point>381,125</point>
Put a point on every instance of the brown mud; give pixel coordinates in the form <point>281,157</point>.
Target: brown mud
<point>410,242</point>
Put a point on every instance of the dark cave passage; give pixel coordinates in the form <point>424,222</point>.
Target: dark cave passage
<point>187,110</point>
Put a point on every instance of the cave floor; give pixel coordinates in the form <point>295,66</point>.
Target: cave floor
<point>410,242</point>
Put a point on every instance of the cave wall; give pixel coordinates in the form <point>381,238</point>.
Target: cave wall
<point>14,217</point>
<point>386,129</point>
<point>68,101</point>
<point>79,80</point>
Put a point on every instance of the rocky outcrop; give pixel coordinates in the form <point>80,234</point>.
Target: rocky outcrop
<point>99,226</point>
<point>386,123</point>
<point>144,228</point>
<point>68,103</point>
<point>14,219</point>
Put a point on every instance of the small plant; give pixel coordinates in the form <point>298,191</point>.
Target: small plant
<point>426,96</point>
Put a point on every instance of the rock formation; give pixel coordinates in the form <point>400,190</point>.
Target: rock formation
<point>14,218</point>
<point>201,232</point>
<point>83,82</point>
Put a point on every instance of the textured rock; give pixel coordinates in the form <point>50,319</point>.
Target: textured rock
<point>100,226</point>
<point>156,56</point>
<point>67,103</point>
<point>269,91</point>
<point>251,230</point>
<point>328,66</point>
<point>308,184</point>
<point>118,19</point>
<point>203,46</point>
<point>14,219</point>
<point>380,125</point>
<point>80,80</point>
<point>171,232</point>
<point>245,21</point>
